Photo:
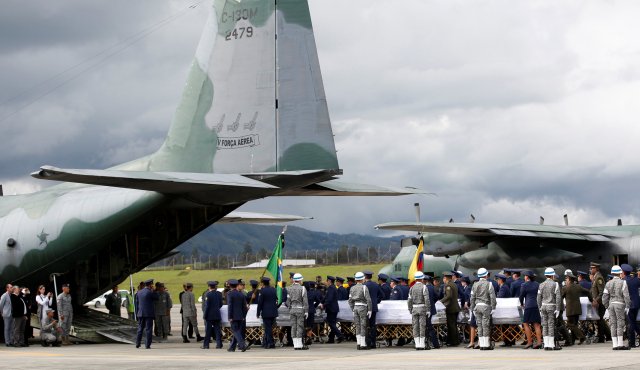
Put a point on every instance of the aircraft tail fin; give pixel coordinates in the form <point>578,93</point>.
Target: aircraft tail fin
<point>254,99</point>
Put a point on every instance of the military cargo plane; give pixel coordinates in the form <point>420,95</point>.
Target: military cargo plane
<point>256,61</point>
<point>469,246</point>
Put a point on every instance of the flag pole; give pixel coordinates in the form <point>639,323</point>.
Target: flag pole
<point>284,229</point>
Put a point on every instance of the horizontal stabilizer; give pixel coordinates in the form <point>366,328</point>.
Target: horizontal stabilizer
<point>340,188</point>
<point>259,218</point>
<point>488,230</point>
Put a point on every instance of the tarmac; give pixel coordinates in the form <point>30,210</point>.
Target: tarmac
<point>173,354</point>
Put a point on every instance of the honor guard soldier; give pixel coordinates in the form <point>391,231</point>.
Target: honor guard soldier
<point>549,301</point>
<point>384,286</point>
<point>331,307</point>
<point>583,280</point>
<point>298,304</point>
<point>615,298</point>
<point>189,313</point>
<point>571,294</point>
<point>452,308</point>
<point>361,304</point>
<point>457,279</point>
<point>146,313</point>
<point>597,288</point>
<point>483,304</point>
<point>420,310</point>
<point>376,298</point>
<point>237,308</point>
<point>268,309</point>
<point>211,315</point>
<point>516,284</point>
<point>163,309</point>
<point>633,284</point>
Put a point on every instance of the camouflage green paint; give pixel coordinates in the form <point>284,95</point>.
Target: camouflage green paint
<point>307,156</point>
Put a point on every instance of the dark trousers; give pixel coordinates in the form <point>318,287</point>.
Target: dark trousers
<point>633,326</point>
<point>431,332</point>
<point>572,324</point>
<point>212,329</point>
<point>238,334</point>
<point>268,332</point>
<point>453,338</point>
<point>145,323</point>
<point>603,328</point>
<point>332,319</point>
<point>372,331</point>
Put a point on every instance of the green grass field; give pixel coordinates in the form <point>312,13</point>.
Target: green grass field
<point>174,279</point>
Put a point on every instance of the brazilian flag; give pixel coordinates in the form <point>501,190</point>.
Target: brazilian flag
<point>274,267</point>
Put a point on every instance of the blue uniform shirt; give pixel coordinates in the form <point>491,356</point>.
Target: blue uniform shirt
<point>515,288</point>
<point>396,293</point>
<point>404,289</point>
<point>432,298</point>
<point>585,284</point>
<point>146,303</point>
<point>331,299</point>
<point>267,303</point>
<point>212,304</point>
<point>633,283</point>
<point>504,292</point>
<point>375,293</point>
<point>386,291</point>
<point>237,305</point>
<point>529,294</point>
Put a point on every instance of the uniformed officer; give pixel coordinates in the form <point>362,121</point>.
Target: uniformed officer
<point>493,283</point>
<point>298,304</point>
<point>350,282</point>
<point>211,315</point>
<point>331,307</point>
<point>508,273</point>
<point>362,305</point>
<point>615,298</point>
<point>597,288</point>
<point>583,280</point>
<point>343,293</point>
<point>483,304</point>
<point>65,312</point>
<point>384,286</point>
<point>252,296</point>
<point>504,292</point>
<point>237,308</point>
<point>633,283</point>
<point>531,315</point>
<point>516,284</point>
<point>420,310</point>
<point>571,292</point>
<point>457,280</point>
<point>163,309</point>
<point>146,313</point>
<point>452,308</point>
<point>396,294</point>
<point>404,287</point>
<point>114,302</point>
<point>561,328</point>
<point>376,298</point>
<point>189,313</point>
<point>267,308</point>
<point>432,299</point>
<point>549,301</point>
<point>314,298</point>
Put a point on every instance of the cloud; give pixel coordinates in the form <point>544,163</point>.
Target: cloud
<point>507,110</point>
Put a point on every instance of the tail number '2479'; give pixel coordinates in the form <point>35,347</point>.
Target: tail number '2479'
<point>238,33</point>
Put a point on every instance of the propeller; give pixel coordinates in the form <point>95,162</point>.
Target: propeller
<point>619,222</point>
<point>472,219</point>
<point>566,220</point>
<point>541,220</point>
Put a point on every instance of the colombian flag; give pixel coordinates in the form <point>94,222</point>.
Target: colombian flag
<point>275,266</point>
<point>418,262</point>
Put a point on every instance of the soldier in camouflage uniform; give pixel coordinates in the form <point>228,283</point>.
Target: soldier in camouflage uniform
<point>549,301</point>
<point>483,304</point>
<point>597,288</point>
<point>162,307</point>
<point>65,313</point>
<point>298,304</point>
<point>615,298</point>
<point>420,309</point>
<point>361,305</point>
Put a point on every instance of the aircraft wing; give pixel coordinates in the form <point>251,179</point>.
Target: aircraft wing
<point>508,230</point>
<point>259,218</point>
<point>341,188</point>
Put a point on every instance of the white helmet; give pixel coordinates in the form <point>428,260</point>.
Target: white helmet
<point>616,269</point>
<point>359,276</point>
<point>297,277</point>
<point>549,271</point>
<point>568,272</point>
<point>418,275</point>
<point>482,272</point>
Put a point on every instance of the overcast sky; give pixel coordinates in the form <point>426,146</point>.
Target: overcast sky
<point>507,110</point>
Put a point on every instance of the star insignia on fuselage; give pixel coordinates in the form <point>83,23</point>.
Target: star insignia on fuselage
<point>43,238</point>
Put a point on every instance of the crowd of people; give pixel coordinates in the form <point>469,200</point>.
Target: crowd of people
<point>543,305</point>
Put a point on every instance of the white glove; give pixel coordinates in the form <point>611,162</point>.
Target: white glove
<point>369,314</point>
<point>306,315</point>
<point>556,313</point>
<point>258,316</point>
<point>428,315</point>
<point>626,311</point>
<point>492,312</point>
